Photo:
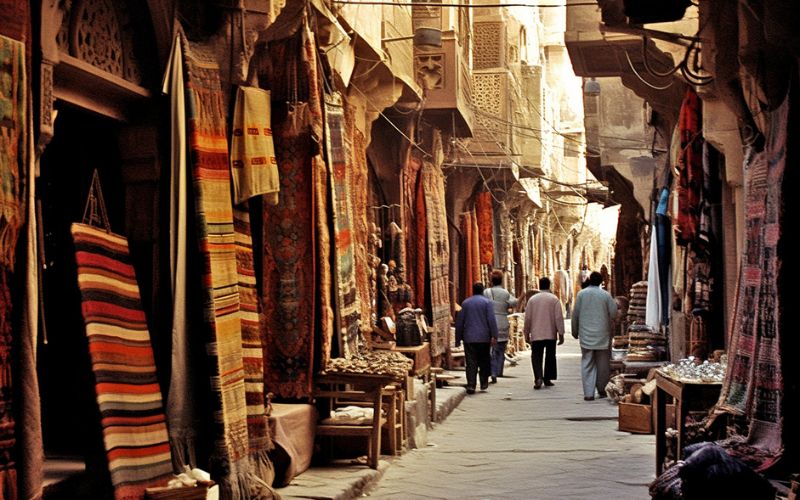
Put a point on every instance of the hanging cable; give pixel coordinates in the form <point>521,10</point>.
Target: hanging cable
<point>654,87</point>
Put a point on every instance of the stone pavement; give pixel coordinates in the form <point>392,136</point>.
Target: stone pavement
<point>513,442</point>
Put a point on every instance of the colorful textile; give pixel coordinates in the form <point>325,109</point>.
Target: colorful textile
<point>359,181</point>
<point>438,257</point>
<point>689,169</point>
<point>211,180</point>
<point>420,244</point>
<point>467,242</point>
<point>476,250</point>
<point>253,166</point>
<point>485,215</point>
<point>324,273</point>
<point>8,437</point>
<point>289,237</point>
<point>128,394</point>
<point>252,341</point>
<point>753,383</point>
<point>348,312</point>
<point>408,185</point>
<point>14,19</point>
<point>13,104</point>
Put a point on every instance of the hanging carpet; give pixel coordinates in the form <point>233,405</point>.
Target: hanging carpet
<point>753,383</point>
<point>408,184</point>
<point>420,244</point>
<point>438,257</point>
<point>476,250</point>
<point>348,312</point>
<point>324,273</point>
<point>467,279</point>
<point>128,394</point>
<point>211,181</point>
<point>289,227</point>
<point>485,217</point>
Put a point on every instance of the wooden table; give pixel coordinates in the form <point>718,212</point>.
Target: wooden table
<point>688,396</point>
<point>421,355</point>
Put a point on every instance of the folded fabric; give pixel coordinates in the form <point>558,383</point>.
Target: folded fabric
<point>253,165</point>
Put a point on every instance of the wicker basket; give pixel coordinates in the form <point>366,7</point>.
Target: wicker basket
<point>199,492</point>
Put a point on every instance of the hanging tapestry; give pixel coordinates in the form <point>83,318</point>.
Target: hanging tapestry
<point>485,215</point>
<point>211,181</point>
<point>689,169</point>
<point>13,104</point>
<point>753,383</point>
<point>8,438</point>
<point>325,275</point>
<point>438,257</point>
<point>252,344</point>
<point>348,312</point>
<point>408,184</point>
<point>128,394</point>
<point>476,250</point>
<point>289,235</point>
<point>420,244</point>
<point>466,280</point>
<point>253,166</point>
<point>365,270</point>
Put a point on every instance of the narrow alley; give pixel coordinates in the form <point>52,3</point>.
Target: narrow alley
<point>513,442</point>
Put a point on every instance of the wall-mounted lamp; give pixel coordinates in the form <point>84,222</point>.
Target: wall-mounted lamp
<point>423,38</point>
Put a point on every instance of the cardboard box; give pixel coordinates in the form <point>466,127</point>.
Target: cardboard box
<point>636,418</point>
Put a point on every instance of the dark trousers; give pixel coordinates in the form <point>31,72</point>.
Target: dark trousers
<point>544,350</point>
<point>477,358</point>
<point>498,356</point>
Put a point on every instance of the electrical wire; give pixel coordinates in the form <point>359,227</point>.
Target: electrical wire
<point>636,73</point>
<point>462,5</point>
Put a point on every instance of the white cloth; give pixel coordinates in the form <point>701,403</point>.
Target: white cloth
<point>653,309</point>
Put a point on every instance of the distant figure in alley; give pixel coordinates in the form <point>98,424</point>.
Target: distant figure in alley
<point>502,301</point>
<point>477,328</point>
<point>544,322</point>
<point>592,318</point>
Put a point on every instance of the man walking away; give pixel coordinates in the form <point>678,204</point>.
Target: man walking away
<point>592,318</point>
<point>544,321</point>
<point>502,301</point>
<point>476,326</point>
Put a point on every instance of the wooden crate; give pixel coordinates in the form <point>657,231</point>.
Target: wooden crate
<point>636,418</point>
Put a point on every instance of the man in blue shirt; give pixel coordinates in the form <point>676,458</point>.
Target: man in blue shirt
<point>477,328</point>
<point>592,317</point>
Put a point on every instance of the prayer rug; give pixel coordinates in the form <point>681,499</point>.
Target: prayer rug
<point>348,313</point>
<point>128,394</point>
<point>485,215</point>
<point>753,383</point>
<point>211,181</point>
<point>438,257</point>
<point>289,285</point>
<point>253,166</point>
<point>13,104</point>
<point>252,341</point>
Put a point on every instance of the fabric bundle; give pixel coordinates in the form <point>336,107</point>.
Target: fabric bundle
<point>690,169</point>
<point>128,394</point>
<point>211,181</point>
<point>348,313</point>
<point>253,165</point>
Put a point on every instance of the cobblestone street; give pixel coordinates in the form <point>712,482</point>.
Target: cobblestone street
<point>514,442</point>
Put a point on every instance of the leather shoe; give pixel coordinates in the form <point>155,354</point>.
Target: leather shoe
<point>484,387</point>
<point>493,380</point>
<point>588,398</point>
<point>470,390</point>
<point>537,384</point>
<point>547,383</point>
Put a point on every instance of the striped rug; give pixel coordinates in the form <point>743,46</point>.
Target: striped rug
<point>438,257</point>
<point>128,394</point>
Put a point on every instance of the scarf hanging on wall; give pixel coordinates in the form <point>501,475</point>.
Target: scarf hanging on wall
<point>253,166</point>
<point>128,394</point>
<point>289,285</point>
<point>753,383</point>
<point>438,256</point>
<point>348,311</point>
<point>211,181</point>
<point>13,104</point>
<point>485,214</point>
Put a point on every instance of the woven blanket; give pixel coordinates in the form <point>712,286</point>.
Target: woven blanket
<point>128,394</point>
<point>438,257</point>
<point>348,312</point>
<point>475,247</point>
<point>466,250</point>
<point>408,186</point>
<point>13,104</point>
<point>8,438</point>
<point>289,237</point>
<point>211,180</point>
<point>690,169</point>
<point>253,166</point>
<point>324,273</point>
<point>753,384</point>
<point>420,244</point>
<point>252,340</point>
<point>485,215</point>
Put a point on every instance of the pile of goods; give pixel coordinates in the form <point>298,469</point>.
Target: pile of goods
<point>389,363</point>
<point>645,344</point>
<point>691,370</point>
<point>637,307</point>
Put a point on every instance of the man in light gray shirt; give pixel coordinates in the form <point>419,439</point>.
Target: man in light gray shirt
<point>502,301</point>
<point>592,317</point>
<point>544,321</point>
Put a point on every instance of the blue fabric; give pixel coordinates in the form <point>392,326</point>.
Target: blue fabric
<point>475,322</point>
<point>664,242</point>
<point>498,355</point>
